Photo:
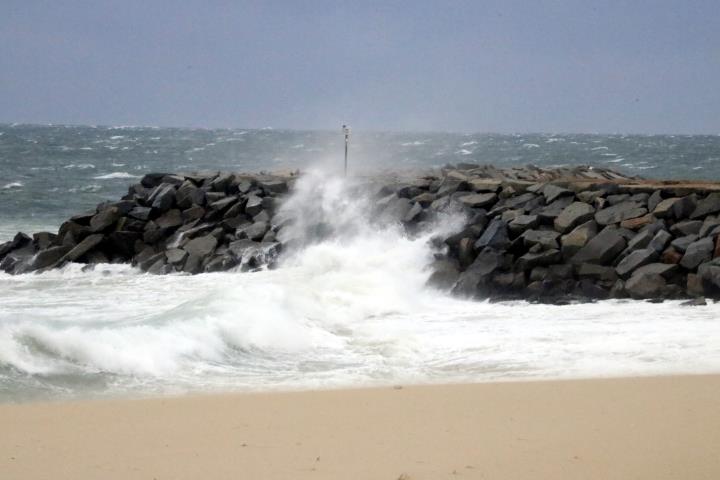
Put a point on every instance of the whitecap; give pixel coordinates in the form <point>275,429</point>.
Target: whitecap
<point>531,145</point>
<point>599,148</point>
<point>80,166</point>
<point>467,144</point>
<point>464,151</point>
<point>12,185</point>
<point>110,176</point>
<point>416,143</point>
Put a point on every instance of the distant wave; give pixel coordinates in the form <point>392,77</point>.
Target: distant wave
<point>13,185</point>
<point>110,176</point>
<point>80,166</point>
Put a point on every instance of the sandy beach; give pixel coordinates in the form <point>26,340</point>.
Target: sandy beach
<point>654,428</point>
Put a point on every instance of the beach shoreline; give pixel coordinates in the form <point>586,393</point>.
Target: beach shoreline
<point>644,427</point>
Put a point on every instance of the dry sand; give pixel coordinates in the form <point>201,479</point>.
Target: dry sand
<point>651,428</point>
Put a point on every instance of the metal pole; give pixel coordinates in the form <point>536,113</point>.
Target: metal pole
<point>346,131</point>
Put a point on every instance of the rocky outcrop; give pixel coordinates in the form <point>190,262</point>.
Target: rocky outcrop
<point>540,234</point>
<point>166,223</point>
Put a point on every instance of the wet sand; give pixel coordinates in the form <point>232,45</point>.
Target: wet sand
<point>640,428</point>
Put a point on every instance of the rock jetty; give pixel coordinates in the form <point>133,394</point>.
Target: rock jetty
<point>553,235</point>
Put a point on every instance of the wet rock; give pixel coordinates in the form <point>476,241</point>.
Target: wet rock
<point>665,270</point>
<point>687,227</point>
<point>494,236</point>
<point>201,246</point>
<point>487,262</point>
<point>543,258</point>
<point>602,248</point>
<point>445,274</point>
<point>695,302</point>
<point>87,244</point>
<point>141,213</point>
<point>523,222</point>
<point>163,197</point>
<point>43,240</point>
<point>105,219</point>
<point>170,219</point>
<point>578,238</point>
<point>660,241</point>
<point>695,287</point>
<point>47,258</point>
<point>274,186</point>
<point>253,205</point>
<point>646,285</point>
<point>188,195</point>
<point>553,192</point>
<point>597,272</point>
<point>254,231</point>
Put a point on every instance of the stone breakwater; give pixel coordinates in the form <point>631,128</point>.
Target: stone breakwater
<point>551,235</point>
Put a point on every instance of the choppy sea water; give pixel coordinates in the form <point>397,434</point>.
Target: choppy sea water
<point>351,310</point>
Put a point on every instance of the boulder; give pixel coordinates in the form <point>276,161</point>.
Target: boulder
<point>638,223</point>
<point>681,244</point>
<point>523,222</point>
<point>602,248</point>
<point>577,238</point>
<point>170,219</point>
<point>254,231</point>
<point>553,192</point>
<point>88,243</point>
<point>710,204</point>
<point>483,185</point>
<point>660,241</point>
<point>641,286</point>
<point>654,200</point>
<point>635,260</point>
<point>676,207</point>
<point>710,273</point>
<point>444,275</point>
<point>253,205</point>
<point>487,262</point>
<point>494,236</point>
<point>176,256</point>
<point>665,270</point>
<point>141,213</point>
<point>618,213</point>
<point>531,260</point>
<point>547,239</point>
<point>686,227</point>
<point>573,215</point>
<point>698,252</point>
<point>478,200</point>
<point>47,258</point>
<point>670,255</point>
<point>201,246</point>
<point>274,186</point>
<point>163,197</point>
<point>597,272</point>
<point>105,219</point>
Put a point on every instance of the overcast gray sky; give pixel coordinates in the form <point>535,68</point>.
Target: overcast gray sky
<point>498,66</point>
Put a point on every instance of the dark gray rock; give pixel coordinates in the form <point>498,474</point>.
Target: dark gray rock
<point>47,258</point>
<point>478,200</point>
<point>547,239</point>
<point>635,260</point>
<point>687,227</point>
<point>648,285</point>
<point>445,274</point>
<point>163,197</point>
<point>487,262</point>
<point>494,236</point>
<point>654,200</point>
<point>602,248</point>
<point>597,272</point>
<point>553,192</point>
<point>549,213</point>
<point>573,215</point>
<point>578,238</point>
<point>413,214</point>
<point>710,273</point>
<point>176,256</point>
<point>618,213</point>
<point>87,244</point>
<point>523,222</point>
<point>254,231</point>
<point>711,204</point>
<point>253,205</point>
<point>666,270</point>
<point>681,244</point>
<point>105,219</point>
<point>141,213</point>
<point>531,260</point>
<point>201,246</point>
<point>698,252</point>
<point>660,241</point>
<point>43,240</point>
<point>274,186</point>
<point>170,219</point>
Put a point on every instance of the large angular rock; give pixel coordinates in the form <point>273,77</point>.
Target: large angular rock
<point>531,260</point>
<point>523,222</point>
<point>254,231</point>
<point>487,262</point>
<point>660,241</point>
<point>445,274</point>
<point>494,236</point>
<point>576,239</point>
<point>646,286</point>
<point>188,195</point>
<point>478,200</point>
<point>105,219</point>
<point>698,252</point>
<point>47,258</point>
<point>618,213</point>
<point>553,192</point>
<point>602,248</point>
<point>88,243</point>
<point>141,213</point>
<point>170,219</point>
<point>665,270</point>
<point>163,197</point>
<point>597,272</point>
<point>687,227</point>
<point>711,204</point>
<point>635,260</point>
<point>710,273</point>
<point>254,205</point>
<point>547,239</point>
<point>201,246</point>
<point>274,186</point>
<point>573,215</point>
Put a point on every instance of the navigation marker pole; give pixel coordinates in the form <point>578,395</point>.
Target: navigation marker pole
<point>346,131</point>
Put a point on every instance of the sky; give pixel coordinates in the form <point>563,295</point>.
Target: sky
<point>467,66</point>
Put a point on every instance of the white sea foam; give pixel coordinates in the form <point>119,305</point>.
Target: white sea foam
<point>114,175</point>
<point>348,308</point>
<point>80,166</point>
<point>13,185</point>
<point>464,151</point>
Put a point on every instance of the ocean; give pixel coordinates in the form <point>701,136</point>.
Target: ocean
<point>352,310</point>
